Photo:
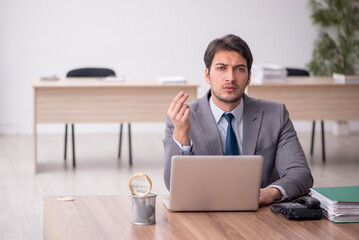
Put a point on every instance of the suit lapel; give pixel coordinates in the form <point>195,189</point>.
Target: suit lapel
<point>208,127</point>
<point>252,121</point>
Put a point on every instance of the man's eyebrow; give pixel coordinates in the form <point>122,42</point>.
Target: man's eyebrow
<point>240,65</point>
<point>235,66</point>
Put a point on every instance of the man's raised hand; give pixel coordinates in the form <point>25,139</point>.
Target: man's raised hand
<point>178,112</point>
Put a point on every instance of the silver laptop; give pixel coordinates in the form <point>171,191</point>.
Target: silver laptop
<point>215,183</point>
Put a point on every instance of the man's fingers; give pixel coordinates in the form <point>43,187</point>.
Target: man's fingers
<point>180,103</point>
<point>182,111</point>
<point>175,100</point>
<point>186,114</point>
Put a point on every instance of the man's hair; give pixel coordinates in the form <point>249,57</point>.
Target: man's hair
<point>229,42</point>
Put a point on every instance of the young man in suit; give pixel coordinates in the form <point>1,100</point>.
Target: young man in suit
<point>260,127</point>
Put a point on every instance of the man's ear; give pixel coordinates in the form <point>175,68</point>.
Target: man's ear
<point>249,78</point>
<point>206,76</point>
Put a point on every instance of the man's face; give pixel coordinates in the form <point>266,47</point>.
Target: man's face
<point>228,79</point>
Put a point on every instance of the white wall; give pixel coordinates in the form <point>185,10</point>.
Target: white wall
<point>140,39</point>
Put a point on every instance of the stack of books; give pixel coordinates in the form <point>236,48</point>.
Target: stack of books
<point>339,204</point>
<point>342,78</point>
<point>268,73</point>
<point>172,79</point>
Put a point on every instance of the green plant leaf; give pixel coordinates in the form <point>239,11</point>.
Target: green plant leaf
<point>339,54</point>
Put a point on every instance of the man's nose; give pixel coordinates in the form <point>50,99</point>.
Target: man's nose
<point>230,75</point>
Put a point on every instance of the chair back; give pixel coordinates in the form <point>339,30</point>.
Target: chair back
<point>91,72</point>
<point>297,72</point>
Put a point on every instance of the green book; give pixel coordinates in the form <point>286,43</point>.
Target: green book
<point>340,194</point>
<point>339,204</point>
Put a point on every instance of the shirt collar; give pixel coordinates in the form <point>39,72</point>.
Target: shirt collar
<point>217,112</point>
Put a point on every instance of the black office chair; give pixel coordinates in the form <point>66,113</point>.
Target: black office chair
<point>301,72</point>
<point>94,72</point>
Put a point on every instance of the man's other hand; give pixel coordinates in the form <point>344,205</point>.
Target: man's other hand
<point>268,195</point>
<point>178,112</point>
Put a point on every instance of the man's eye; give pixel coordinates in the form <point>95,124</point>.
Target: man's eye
<point>220,68</point>
<point>240,69</point>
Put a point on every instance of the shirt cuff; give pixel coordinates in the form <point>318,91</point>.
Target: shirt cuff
<point>284,193</point>
<point>185,149</point>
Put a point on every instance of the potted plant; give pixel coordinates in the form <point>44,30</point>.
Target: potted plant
<point>336,50</point>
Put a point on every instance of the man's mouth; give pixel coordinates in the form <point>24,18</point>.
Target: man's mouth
<point>229,88</point>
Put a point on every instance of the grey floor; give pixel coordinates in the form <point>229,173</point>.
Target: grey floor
<point>99,172</point>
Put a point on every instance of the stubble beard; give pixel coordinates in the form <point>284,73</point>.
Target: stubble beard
<point>231,100</point>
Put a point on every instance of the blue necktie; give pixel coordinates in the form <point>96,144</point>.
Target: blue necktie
<point>231,140</point>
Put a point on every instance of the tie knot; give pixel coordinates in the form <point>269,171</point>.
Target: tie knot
<point>228,117</point>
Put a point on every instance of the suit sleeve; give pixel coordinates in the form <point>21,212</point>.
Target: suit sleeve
<point>291,164</point>
<point>170,149</point>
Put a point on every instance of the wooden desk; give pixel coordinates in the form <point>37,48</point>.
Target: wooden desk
<point>109,217</point>
<point>312,98</point>
<point>86,100</point>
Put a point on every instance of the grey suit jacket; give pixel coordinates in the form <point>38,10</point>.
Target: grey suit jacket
<point>267,131</point>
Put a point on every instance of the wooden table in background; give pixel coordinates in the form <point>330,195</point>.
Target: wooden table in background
<point>92,100</point>
<point>311,98</point>
<point>109,217</point>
